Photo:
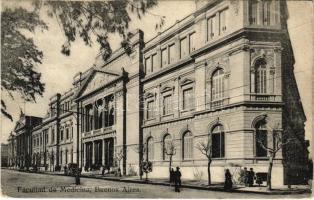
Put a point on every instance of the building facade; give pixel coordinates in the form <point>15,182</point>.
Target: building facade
<point>4,155</point>
<point>20,146</point>
<point>206,79</point>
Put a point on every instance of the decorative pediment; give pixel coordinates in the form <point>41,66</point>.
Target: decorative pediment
<point>21,123</point>
<point>186,81</point>
<point>165,88</point>
<point>96,79</point>
<point>259,53</point>
<point>149,95</point>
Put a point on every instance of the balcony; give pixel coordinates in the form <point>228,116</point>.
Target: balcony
<point>217,104</point>
<point>99,131</point>
<point>265,97</point>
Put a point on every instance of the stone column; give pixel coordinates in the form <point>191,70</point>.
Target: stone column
<point>84,154</point>
<point>103,152</point>
<point>93,152</point>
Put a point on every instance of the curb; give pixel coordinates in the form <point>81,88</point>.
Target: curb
<point>301,191</point>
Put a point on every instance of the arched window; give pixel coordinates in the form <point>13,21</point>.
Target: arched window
<point>99,112</point>
<point>260,77</point>
<point>218,141</point>
<point>150,148</point>
<point>218,85</point>
<point>260,139</point>
<point>166,146</point>
<point>89,118</point>
<point>187,146</point>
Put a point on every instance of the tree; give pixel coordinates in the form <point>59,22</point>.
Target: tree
<point>88,20</point>
<point>119,155</point>
<point>141,149</point>
<point>19,56</point>
<point>206,149</point>
<point>279,140</point>
<point>170,150</point>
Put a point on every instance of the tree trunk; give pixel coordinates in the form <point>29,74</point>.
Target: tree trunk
<point>170,164</point>
<point>141,171</point>
<point>269,173</point>
<point>208,172</point>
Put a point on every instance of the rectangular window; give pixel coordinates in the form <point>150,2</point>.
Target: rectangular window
<point>253,12</point>
<point>266,12</point>
<point>222,20</point>
<point>61,133</point>
<point>150,109</point>
<point>164,57</point>
<point>72,132</point>
<point>210,28</point>
<point>172,52</point>
<point>154,62</point>
<point>183,47</point>
<point>67,134</point>
<point>52,136</point>
<point>188,99</point>
<point>148,65</point>
<point>192,42</point>
<point>167,105</point>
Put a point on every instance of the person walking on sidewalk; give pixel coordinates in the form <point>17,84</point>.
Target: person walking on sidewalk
<point>172,173</point>
<point>177,180</point>
<point>228,180</point>
<point>251,177</point>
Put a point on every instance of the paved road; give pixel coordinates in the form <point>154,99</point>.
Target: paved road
<point>20,184</point>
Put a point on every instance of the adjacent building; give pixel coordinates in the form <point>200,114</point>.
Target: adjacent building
<point>4,155</point>
<point>222,75</point>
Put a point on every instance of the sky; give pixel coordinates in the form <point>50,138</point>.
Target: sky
<point>58,70</point>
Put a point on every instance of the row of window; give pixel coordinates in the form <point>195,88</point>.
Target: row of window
<point>217,143</point>
<point>68,155</point>
<point>65,107</point>
<point>67,135</point>
<point>168,54</point>
<point>216,24</point>
<point>261,12</point>
<point>39,140</point>
<point>218,91</point>
<point>64,134</point>
<point>167,103</point>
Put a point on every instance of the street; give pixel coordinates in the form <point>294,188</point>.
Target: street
<point>21,184</point>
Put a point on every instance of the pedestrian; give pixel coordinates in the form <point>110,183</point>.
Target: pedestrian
<point>177,180</point>
<point>77,177</point>
<point>251,177</point>
<point>102,170</point>
<point>228,180</point>
<point>245,176</point>
<point>172,174</point>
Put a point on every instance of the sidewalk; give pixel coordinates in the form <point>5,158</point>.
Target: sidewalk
<point>297,189</point>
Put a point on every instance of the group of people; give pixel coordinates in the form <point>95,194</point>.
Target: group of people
<point>175,177</point>
<point>248,177</point>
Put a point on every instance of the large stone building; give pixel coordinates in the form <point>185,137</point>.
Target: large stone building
<point>222,75</point>
<point>20,141</point>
